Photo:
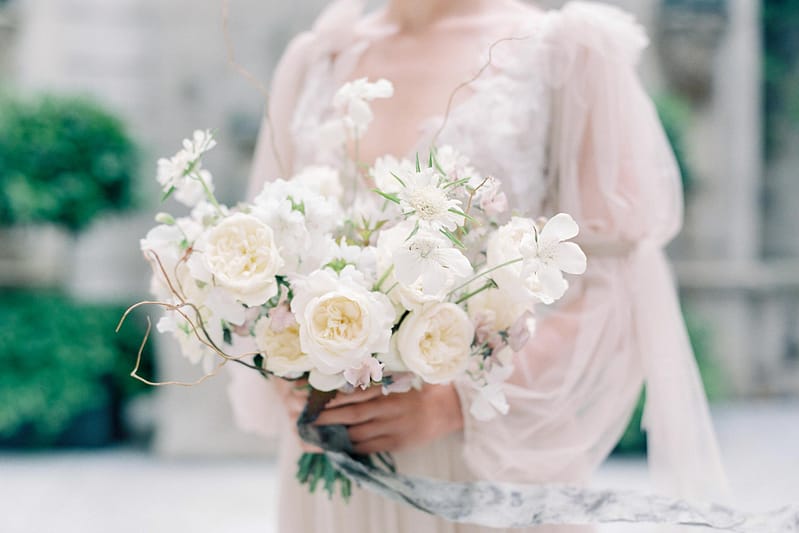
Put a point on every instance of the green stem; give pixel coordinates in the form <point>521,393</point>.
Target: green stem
<point>481,274</point>
<point>490,284</point>
<point>383,278</point>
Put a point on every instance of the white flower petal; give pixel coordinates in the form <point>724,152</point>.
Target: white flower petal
<point>560,227</point>
<point>570,258</point>
<point>326,382</point>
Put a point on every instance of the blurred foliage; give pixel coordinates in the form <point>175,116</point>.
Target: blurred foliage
<point>634,439</point>
<point>675,114</point>
<point>62,160</point>
<point>781,70</point>
<point>61,359</point>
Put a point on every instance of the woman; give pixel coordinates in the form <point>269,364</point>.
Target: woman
<point>560,117</point>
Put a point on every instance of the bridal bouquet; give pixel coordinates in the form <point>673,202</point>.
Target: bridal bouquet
<point>419,276</point>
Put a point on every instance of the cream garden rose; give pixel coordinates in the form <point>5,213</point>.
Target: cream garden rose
<point>280,345</point>
<point>435,342</point>
<point>341,321</point>
<point>241,255</point>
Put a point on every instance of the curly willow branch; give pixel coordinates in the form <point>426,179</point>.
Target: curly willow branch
<point>197,326</point>
<point>471,80</point>
<point>253,80</point>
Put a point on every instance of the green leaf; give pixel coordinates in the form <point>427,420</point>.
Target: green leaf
<point>399,179</point>
<point>451,236</point>
<point>418,166</point>
<point>456,183</point>
<point>167,194</point>
<point>461,214</point>
<point>387,196</point>
<point>258,360</point>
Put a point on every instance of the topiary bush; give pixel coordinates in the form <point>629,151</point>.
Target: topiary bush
<point>62,160</point>
<point>61,360</point>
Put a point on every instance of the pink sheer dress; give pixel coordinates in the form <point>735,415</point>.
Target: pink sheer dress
<point>561,118</point>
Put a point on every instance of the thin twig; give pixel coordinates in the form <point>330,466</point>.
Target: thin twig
<point>250,77</point>
<point>471,80</point>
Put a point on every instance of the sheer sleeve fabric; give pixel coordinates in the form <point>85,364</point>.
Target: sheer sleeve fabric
<point>576,383</point>
<point>255,404</point>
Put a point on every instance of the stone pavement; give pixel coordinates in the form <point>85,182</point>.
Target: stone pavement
<point>130,491</point>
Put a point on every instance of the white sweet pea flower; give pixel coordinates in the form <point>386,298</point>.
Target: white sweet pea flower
<point>454,164</point>
<point>539,258</point>
<point>431,259</point>
<point>352,102</point>
<point>240,255</point>
<point>323,180</point>
<point>435,342</point>
<point>384,170</point>
<point>424,199</point>
<point>548,256</point>
<point>182,173</point>
<point>190,346</point>
<point>341,322</point>
<point>370,370</point>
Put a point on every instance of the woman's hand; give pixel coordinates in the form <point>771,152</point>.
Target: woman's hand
<point>379,423</point>
<point>294,395</point>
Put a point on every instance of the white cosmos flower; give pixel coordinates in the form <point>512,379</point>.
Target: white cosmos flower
<point>548,255</point>
<point>341,322</point>
<point>427,202</point>
<point>430,259</point>
<point>240,255</point>
<point>435,342</point>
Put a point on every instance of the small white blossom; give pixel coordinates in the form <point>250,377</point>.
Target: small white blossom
<point>430,259</point>
<point>548,256</point>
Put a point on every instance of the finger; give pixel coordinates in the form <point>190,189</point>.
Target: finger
<point>348,415</point>
<point>356,396</point>
<point>371,430</point>
<point>380,444</point>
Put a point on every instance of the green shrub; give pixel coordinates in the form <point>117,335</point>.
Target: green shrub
<point>675,114</point>
<point>60,359</point>
<point>62,160</point>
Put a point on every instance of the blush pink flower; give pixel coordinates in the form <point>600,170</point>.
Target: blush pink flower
<point>363,376</point>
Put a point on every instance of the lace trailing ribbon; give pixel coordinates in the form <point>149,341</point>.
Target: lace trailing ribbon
<point>511,505</point>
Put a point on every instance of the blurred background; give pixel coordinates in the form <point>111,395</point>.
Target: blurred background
<point>92,92</point>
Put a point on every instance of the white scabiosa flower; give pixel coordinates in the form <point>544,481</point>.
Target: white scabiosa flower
<point>425,199</point>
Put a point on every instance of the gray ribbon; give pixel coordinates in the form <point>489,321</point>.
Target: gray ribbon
<point>509,505</point>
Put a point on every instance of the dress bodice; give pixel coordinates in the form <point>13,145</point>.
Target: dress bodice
<point>502,125</point>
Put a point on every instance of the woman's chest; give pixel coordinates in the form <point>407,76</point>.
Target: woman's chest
<point>489,103</point>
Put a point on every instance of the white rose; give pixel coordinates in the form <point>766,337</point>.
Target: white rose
<point>435,342</point>
<point>341,322</point>
<point>281,348</point>
<point>241,255</point>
